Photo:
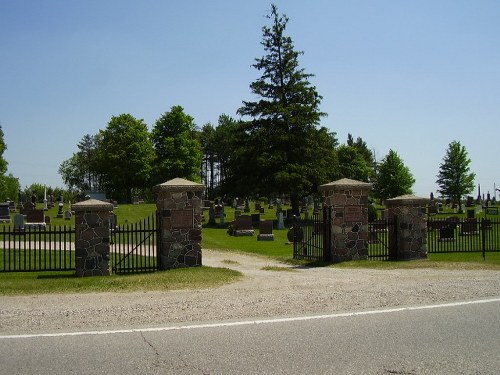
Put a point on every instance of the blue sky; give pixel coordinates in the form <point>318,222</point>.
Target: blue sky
<point>407,75</point>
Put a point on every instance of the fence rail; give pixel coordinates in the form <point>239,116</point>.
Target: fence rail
<point>37,249</point>
<point>463,235</point>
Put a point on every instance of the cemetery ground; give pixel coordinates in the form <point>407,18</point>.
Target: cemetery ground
<point>278,252</point>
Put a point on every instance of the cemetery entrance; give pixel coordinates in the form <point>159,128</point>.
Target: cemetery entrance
<point>311,236</point>
<point>134,247</point>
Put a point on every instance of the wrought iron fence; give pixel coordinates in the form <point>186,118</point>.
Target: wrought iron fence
<point>312,237</point>
<point>37,248</point>
<point>463,235</point>
<point>134,246</point>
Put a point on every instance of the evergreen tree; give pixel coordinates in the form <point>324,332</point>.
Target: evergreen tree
<point>454,178</point>
<point>280,152</point>
<point>393,178</point>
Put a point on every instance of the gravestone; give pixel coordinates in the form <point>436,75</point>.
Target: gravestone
<point>47,220</point>
<point>35,218</point>
<point>60,213</point>
<point>12,206</point>
<point>222,216</point>
<point>265,231</point>
<point>4,212</point>
<point>18,222</point>
<point>446,233</point>
<point>247,206</point>
<point>468,227</point>
<point>243,226</point>
<point>257,206</point>
<point>211,216</point>
<point>112,221</point>
<point>281,223</point>
<point>471,214</point>
<point>67,215</point>
<point>255,220</point>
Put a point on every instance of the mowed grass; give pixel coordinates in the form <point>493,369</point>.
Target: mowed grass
<point>25,283</point>
<point>449,261</point>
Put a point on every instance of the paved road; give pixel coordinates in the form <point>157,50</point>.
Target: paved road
<point>458,338</point>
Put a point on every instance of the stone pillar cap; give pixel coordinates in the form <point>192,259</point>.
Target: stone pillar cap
<point>408,199</point>
<point>345,183</point>
<point>179,184</point>
<point>92,205</point>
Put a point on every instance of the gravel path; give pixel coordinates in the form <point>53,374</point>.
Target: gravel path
<point>260,294</point>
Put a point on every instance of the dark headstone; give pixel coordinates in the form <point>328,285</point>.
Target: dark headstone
<point>469,227</point>
<point>243,226</point>
<point>4,212</point>
<point>255,220</point>
<point>447,233</point>
<point>266,231</point>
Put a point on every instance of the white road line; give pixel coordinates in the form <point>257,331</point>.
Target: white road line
<point>251,322</point>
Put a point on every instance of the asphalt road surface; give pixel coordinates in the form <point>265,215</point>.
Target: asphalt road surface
<point>455,338</point>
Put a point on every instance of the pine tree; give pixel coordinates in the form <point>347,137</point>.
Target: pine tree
<point>454,178</point>
<point>281,150</point>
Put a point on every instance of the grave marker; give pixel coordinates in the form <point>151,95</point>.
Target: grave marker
<point>265,231</point>
<point>243,226</point>
<point>4,213</point>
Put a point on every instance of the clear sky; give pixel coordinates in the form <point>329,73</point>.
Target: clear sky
<point>407,75</point>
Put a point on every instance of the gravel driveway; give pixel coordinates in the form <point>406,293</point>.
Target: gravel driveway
<point>261,293</point>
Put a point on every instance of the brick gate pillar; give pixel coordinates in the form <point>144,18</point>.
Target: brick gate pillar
<point>349,221</point>
<point>179,205</point>
<point>92,237</point>
<point>409,212</point>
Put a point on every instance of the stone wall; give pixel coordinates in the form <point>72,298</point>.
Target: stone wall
<point>179,204</point>
<point>349,224</point>
<point>92,237</point>
<point>409,213</point>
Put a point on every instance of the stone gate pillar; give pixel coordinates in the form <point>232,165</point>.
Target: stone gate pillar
<point>409,213</point>
<point>179,205</point>
<point>349,221</point>
<point>92,237</point>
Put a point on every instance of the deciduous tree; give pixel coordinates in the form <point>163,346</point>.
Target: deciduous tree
<point>124,156</point>
<point>393,178</point>
<point>178,151</point>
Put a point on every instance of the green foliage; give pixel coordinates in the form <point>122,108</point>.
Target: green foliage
<point>362,148</point>
<point>393,178</point>
<point>178,151</point>
<point>124,156</point>
<point>280,152</point>
<point>3,147</point>
<point>9,188</point>
<point>454,178</point>
<point>352,164</point>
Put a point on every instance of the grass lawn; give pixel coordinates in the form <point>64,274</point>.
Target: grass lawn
<point>20,283</point>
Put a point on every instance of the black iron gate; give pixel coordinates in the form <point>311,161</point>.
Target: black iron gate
<point>134,246</point>
<point>382,240</point>
<point>312,236</point>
